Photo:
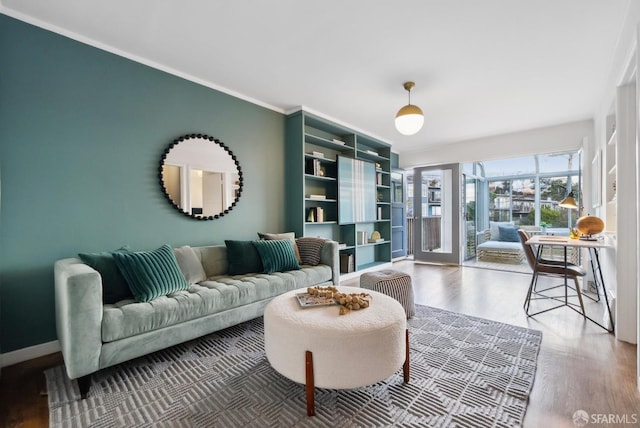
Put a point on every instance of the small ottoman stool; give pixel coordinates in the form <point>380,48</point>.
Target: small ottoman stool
<point>317,347</point>
<point>392,283</point>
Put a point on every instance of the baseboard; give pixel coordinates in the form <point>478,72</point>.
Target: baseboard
<point>29,353</point>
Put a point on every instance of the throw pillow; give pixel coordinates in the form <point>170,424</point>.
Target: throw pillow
<point>189,264</point>
<point>289,235</point>
<point>508,234</point>
<point>151,274</point>
<point>277,255</point>
<point>495,232</point>
<point>242,257</point>
<point>114,286</point>
<point>310,250</point>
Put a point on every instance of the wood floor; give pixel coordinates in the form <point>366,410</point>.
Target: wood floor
<point>580,366</point>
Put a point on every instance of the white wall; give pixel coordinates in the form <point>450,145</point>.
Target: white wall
<point>551,139</point>
<point>624,66</point>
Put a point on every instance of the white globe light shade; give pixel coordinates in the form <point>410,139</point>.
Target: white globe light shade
<point>409,120</point>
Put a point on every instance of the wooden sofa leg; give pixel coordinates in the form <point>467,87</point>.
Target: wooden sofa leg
<point>84,383</point>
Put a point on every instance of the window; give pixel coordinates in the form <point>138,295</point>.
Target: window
<point>527,190</point>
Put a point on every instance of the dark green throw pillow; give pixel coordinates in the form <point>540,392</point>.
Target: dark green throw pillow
<point>277,255</point>
<point>151,274</point>
<point>243,258</point>
<point>114,286</point>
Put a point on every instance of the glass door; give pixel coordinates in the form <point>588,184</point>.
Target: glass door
<point>436,210</point>
<point>469,192</point>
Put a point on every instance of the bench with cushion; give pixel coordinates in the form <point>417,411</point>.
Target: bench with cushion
<point>501,244</point>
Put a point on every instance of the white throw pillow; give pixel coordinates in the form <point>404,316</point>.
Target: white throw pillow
<point>189,264</point>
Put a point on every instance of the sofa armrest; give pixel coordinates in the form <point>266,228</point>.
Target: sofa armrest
<point>330,256</point>
<point>78,300</point>
<point>483,236</point>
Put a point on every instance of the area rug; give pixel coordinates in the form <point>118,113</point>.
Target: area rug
<point>465,372</point>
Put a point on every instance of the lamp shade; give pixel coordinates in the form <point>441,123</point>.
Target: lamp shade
<point>569,202</point>
<point>409,120</point>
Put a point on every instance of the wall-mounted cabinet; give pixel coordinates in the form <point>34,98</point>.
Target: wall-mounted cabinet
<point>324,163</point>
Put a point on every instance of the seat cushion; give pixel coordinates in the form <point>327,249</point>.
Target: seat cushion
<point>501,245</point>
<point>219,293</point>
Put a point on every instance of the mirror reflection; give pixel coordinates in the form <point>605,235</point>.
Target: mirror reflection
<point>200,176</point>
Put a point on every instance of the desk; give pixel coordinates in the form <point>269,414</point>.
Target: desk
<point>593,247</point>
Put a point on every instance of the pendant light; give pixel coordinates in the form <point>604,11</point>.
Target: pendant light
<point>409,119</point>
<point>569,202</point>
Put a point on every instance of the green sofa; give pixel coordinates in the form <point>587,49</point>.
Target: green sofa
<point>94,335</point>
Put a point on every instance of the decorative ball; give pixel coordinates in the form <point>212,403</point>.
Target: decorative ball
<point>590,225</point>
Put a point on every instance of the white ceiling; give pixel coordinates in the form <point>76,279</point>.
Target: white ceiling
<point>481,67</point>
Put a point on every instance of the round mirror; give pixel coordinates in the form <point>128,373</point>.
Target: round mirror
<point>200,176</point>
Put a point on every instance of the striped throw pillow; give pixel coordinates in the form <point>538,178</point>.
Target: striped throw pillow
<point>310,250</point>
<point>151,274</point>
<point>277,255</point>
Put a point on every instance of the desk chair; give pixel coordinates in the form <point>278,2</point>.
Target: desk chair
<point>555,268</point>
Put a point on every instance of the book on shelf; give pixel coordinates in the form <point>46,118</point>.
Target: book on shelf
<point>317,154</point>
<point>315,215</point>
<point>372,152</point>
<point>379,213</point>
<point>336,141</point>
<point>317,196</point>
<point>342,245</point>
<point>375,241</point>
<point>379,178</point>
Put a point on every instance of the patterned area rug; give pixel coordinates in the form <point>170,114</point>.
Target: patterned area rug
<point>465,372</point>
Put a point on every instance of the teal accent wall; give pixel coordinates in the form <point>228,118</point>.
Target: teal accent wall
<point>81,135</point>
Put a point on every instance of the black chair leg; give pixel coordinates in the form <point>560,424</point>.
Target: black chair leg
<point>527,300</point>
<point>575,279</point>
<point>84,383</point>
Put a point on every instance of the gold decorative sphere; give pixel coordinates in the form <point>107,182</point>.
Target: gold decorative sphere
<point>590,225</point>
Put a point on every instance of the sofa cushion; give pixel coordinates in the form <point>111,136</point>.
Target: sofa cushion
<point>243,258</point>
<point>114,286</point>
<point>310,250</point>
<point>217,294</point>
<point>277,255</point>
<point>189,264</point>
<point>276,236</point>
<point>508,234</point>
<point>151,274</point>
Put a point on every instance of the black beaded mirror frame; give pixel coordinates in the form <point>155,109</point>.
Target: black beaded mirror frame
<point>226,149</point>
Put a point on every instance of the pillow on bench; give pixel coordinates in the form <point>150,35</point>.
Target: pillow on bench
<point>494,228</point>
<point>508,234</point>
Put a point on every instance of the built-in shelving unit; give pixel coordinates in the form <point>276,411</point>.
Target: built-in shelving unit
<point>313,145</point>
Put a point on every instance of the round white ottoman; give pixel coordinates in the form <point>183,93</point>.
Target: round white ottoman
<point>392,283</point>
<point>345,351</point>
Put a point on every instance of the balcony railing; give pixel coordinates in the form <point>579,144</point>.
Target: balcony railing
<point>431,227</point>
